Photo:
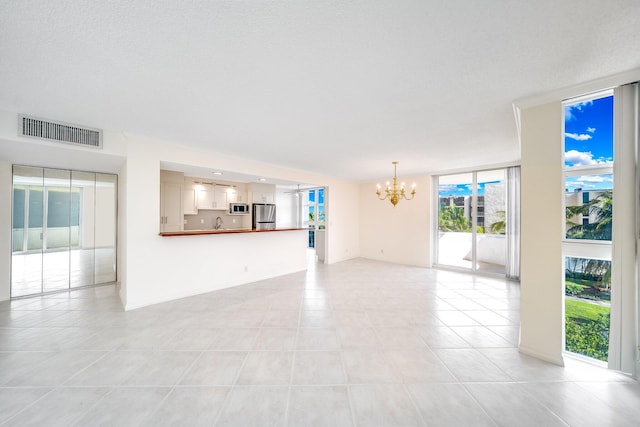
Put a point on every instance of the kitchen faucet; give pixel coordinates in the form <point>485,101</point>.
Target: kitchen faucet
<point>218,223</point>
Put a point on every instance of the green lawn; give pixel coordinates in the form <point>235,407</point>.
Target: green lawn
<point>588,289</point>
<point>583,311</point>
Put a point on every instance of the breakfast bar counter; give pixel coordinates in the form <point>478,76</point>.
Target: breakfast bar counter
<point>225,231</point>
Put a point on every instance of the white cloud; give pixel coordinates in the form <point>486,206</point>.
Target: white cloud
<point>595,178</point>
<point>579,158</point>
<point>584,158</point>
<point>447,187</point>
<point>578,136</point>
<point>591,130</point>
<point>569,109</point>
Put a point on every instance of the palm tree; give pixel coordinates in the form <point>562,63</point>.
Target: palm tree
<point>451,218</point>
<point>500,226</point>
<point>599,268</point>
<point>602,208</point>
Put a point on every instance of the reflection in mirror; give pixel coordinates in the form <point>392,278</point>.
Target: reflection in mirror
<point>106,227</point>
<point>63,230</point>
<point>26,254</point>
<point>83,234</point>
<point>57,226</point>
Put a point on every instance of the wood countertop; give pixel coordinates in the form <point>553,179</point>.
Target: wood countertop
<point>230,231</point>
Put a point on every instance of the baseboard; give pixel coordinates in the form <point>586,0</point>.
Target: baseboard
<point>556,360</point>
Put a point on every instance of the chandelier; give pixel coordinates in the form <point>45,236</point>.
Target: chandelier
<point>392,192</point>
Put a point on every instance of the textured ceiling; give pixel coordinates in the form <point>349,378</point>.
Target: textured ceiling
<point>335,87</point>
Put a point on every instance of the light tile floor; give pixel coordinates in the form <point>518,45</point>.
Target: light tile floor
<point>359,343</point>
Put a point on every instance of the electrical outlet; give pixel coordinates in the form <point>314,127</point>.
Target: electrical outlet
<point>234,220</point>
<point>381,251</point>
<point>202,221</point>
<point>246,268</point>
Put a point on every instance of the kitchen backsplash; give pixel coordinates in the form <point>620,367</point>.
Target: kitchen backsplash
<point>206,220</point>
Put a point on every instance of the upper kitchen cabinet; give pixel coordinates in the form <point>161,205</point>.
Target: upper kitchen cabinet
<point>237,196</point>
<point>220,199</point>
<point>260,197</point>
<point>171,201</point>
<point>190,199</point>
<point>263,193</point>
<point>210,197</point>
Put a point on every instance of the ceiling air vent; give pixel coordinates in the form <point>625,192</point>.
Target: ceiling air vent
<point>60,132</point>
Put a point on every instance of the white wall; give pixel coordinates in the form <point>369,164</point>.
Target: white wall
<point>6,190</point>
<point>399,234</point>
<point>542,269</point>
<point>152,268</point>
<point>343,212</point>
<point>163,268</point>
<point>121,243</point>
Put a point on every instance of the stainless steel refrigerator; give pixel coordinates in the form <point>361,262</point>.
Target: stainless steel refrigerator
<point>264,216</point>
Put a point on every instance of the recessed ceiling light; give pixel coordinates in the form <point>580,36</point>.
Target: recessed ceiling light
<point>262,179</point>
<point>217,173</point>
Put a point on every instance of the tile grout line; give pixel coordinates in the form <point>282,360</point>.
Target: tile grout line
<point>293,364</point>
<point>347,383</point>
<point>234,384</point>
<point>173,387</point>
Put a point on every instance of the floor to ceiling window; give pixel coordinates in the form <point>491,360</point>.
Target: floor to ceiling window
<point>473,219</point>
<point>63,229</point>
<point>589,205</point>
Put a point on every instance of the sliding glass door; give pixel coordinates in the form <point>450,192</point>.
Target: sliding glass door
<point>455,220</point>
<point>64,230</point>
<point>472,221</point>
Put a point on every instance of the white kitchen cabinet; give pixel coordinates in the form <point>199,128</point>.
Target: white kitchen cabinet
<point>235,196</point>
<point>190,200</point>
<point>171,201</point>
<point>262,197</point>
<point>211,198</point>
<point>220,199</point>
<point>204,196</point>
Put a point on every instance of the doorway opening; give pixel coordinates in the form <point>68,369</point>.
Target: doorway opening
<point>314,217</point>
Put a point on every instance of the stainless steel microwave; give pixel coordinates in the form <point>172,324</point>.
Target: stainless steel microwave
<point>238,209</point>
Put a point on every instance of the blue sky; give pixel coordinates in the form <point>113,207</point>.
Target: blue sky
<point>588,132</point>
<point>588,140</point>
<point>445,190</point>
